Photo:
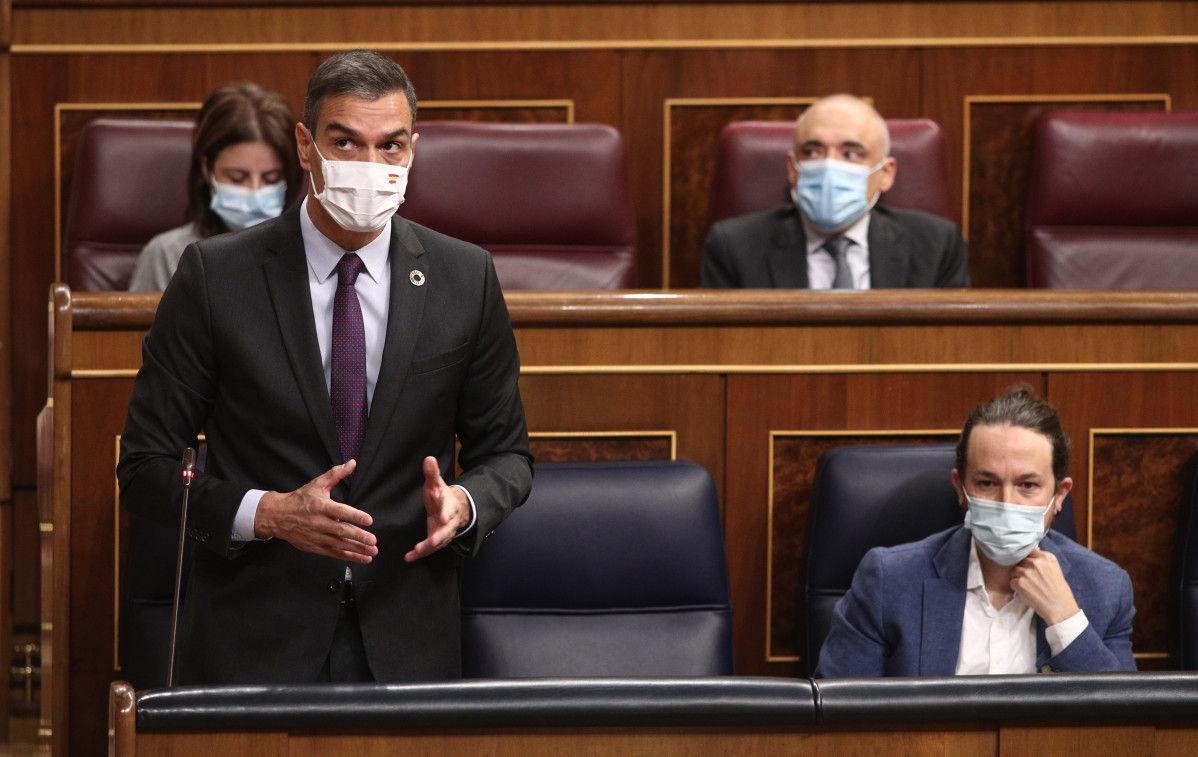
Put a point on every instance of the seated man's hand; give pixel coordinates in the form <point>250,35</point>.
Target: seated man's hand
<point>1039,582</point>
<point>447,509</point>
<point>309,520</point>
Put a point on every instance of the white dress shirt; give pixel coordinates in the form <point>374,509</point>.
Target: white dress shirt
<point>1004,641</point>
<point>821,266</point>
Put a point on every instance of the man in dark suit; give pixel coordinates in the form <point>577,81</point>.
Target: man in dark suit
<point>1001,593</point>
<point>834,235</point>
<point>331,357</point>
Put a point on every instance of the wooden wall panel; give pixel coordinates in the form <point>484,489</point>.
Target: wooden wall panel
<point>591,407</point>
<point>548,447</point>
<point>1132,469</point>
<point>93,538</point>
<point>1142,429</point>
<point>8,540</point>
<point>703,23</point>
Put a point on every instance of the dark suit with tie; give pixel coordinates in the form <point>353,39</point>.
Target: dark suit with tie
<point>903,614</point>
<point>233,352</point>
<point>768,250</point>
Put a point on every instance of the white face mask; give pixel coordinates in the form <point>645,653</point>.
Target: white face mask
<point>1005,533</point>
<point>241,207</point>
<point>361,195</point>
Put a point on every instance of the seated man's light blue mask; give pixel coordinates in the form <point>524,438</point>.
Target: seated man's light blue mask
<point>832,193</point>
<point>1005,533</point>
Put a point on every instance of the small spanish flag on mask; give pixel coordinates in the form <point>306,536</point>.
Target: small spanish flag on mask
<point>392,178</point>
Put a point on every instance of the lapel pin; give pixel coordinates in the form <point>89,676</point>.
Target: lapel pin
<point>417,278</point>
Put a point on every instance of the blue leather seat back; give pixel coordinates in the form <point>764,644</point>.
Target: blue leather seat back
<point>875,496</point>
<point>1185,576</point>
<point>609,569</point>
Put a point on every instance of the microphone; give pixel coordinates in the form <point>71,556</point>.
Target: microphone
<point>189,472</point>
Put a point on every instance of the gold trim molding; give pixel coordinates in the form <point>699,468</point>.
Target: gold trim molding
<point>585,45</point>
<point>802,369</point>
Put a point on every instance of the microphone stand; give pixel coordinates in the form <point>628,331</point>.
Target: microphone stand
<point>189,471</point>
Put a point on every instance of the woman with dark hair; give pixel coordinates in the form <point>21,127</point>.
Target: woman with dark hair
<point>244,170</point>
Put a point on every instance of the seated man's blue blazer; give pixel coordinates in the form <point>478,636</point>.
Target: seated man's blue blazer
<point>903,614</point>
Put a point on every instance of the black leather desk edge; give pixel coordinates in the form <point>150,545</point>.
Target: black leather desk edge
<point>673,702</point>
<point>558,702</point>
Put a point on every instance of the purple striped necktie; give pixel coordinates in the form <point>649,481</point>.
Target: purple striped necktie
<point>347,387</point>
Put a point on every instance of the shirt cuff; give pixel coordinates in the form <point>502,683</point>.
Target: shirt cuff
<point>1062,634</point>
<point>473,511</point>
<point>247,511</point>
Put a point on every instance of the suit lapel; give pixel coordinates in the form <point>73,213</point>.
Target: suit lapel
<point>404,314</point>
<point>287,281</point>
<point>888,256</point>
<point>787,255</point>
<point>943,608</point>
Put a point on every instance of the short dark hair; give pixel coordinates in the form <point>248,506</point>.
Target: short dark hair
<point>232,114</point>
<point>361,73</point>
<point>1021,408</point>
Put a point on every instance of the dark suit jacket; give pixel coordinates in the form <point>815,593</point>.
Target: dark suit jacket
<point>903,614</point>
<point>233,352</point>
<point>768,250</point>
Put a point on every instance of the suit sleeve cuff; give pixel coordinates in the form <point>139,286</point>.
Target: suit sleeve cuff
<point>1063,634</point>
<point>473,512</point>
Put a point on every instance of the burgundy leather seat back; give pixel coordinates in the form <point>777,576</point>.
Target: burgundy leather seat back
<point>129,184</point>
<point>1113,201</point>
<point>750,168</point>
<point>551,202</point>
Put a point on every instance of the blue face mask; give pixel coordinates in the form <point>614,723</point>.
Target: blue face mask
<point>242,207</point>
<point>1005,533</point>
<point>832,193</point>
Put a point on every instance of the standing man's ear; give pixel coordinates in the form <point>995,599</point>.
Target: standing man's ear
<point>303,142</point>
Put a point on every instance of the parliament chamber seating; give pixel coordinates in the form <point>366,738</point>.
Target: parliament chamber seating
<point>1111,201</point>
<point>551,202</point>
<point>609,569</point>
<point>868,496</point>
<point>129,184</point>
<point>750,168</point>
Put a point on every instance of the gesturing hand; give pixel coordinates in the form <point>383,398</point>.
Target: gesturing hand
<point>309,520</point>
<point>446,508</point>
<point>1041,585</point>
